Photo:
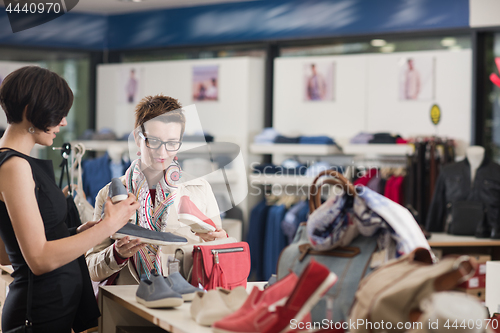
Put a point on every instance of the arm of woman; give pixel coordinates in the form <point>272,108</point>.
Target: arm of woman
<point>43,256</point>
<point>102,259</point>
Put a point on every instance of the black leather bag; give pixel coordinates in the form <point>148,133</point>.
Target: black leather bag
<point>465,217</point>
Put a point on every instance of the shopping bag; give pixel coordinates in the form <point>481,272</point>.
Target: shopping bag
<point>392,293</point>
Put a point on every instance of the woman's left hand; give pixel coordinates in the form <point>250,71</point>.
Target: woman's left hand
<point>211,236</point>
<point>86,225</point>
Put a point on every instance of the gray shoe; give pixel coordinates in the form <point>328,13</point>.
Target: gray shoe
<point>117,191</point>
<point>181,286</point>
<point>148,236</point>
<point>155,293</point>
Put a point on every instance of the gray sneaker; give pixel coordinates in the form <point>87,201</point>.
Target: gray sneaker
<point>148,236</point>
<point>117,191</point>
<point>181,286</point>
<point>155,293</point>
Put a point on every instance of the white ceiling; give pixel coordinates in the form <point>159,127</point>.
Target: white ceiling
<point>118,7</point>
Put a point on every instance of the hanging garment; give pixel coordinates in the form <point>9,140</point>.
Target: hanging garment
<point>256,232</point>
<point>97,174</point>
<point>454,184</point>
<point>366,178</point>
<point>394,189</point>
<point>274,240</point>
<point>293,217</point>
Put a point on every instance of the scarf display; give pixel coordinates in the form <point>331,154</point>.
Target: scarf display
<point>152,215</point>
<point>373,215</point>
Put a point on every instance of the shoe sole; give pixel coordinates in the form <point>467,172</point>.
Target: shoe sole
<point>118,198</point>
<point>188,297</point>
<point>146,240</point>
<point>161,303</point>
<point>313,299</point>
<point>196,224</point>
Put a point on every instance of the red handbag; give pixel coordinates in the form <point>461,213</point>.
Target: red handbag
<point>223,265</point>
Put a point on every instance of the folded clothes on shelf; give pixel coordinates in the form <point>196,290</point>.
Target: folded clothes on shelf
<point>286,139</point>
<point>270,135</point>
<point>266,136</point>
<point>384,138</point>
<point>316,140</point>
<point>377,138</point>
<point>361,138</point>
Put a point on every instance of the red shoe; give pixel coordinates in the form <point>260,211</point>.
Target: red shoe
<point>276,317</point>
<point>314,282</point>
<point>262,298</point>
<point>192,216</point>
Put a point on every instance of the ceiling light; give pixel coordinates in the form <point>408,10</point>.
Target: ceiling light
<point>388,48</point>
<point>448,41</point>
<point>378,42</point>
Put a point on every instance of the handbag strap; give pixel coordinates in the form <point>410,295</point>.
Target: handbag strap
<point>29,321</point>
<point>342,252</point>
<point>336,179</point>
<point>65,153</point>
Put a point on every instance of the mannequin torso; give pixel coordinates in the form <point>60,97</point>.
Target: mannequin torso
<point>475,156</point>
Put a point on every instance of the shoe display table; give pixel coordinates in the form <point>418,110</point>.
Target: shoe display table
<point>119,308</point>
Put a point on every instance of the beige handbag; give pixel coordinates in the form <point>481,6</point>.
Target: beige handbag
<point>391,295</point>
<point>184,254</point>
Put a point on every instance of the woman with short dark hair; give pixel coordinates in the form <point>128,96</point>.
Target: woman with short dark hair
<point>33,211</point>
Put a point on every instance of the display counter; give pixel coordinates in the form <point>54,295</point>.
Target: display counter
<point>451,244</point>
<point>119,308</point>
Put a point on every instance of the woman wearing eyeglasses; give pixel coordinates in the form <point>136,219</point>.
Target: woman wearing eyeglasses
<point>154,178</point>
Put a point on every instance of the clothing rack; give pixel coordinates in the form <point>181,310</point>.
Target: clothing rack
<point>423,167</point>
<point>69,152</point>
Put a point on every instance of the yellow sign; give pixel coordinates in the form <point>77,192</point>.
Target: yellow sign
<point>435,114</point>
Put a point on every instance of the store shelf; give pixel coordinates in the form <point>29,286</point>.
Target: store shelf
<point>378,149</point>
<point>257,179</point>
<point>295,149</point>
<point>101,145</point>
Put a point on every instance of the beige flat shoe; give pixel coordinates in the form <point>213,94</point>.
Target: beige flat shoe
<point>207,308</point>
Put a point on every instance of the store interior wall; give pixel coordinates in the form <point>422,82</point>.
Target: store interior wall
<point>366,90</point>
<point>236,117</point>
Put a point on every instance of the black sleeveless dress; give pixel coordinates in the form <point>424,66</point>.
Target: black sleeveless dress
<point>58,296</point>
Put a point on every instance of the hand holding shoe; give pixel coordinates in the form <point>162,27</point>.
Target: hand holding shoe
<point>211,236</point>
<point>126,248</point>
<point>118,214</point>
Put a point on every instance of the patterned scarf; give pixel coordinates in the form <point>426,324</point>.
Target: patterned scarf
<point>152,216</point>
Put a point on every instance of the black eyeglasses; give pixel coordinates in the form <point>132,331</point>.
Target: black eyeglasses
<point>156,143</point>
